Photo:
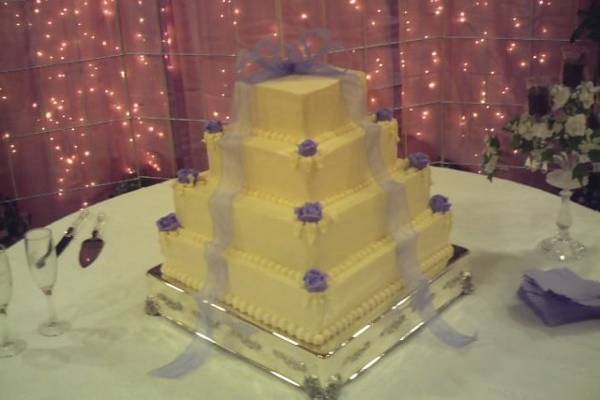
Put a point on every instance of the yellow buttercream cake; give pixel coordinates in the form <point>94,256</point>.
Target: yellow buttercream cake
<point>272,250</point>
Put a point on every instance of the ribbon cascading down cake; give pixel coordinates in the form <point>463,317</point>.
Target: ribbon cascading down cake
<point>310,254</point>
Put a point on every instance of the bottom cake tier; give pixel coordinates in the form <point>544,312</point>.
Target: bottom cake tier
<point>274,297</point>
<point>320,375</point>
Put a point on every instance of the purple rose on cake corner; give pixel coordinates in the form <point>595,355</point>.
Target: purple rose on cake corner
<point>384,114</point>
<point>439,204</point>
<point>315,281</point>
<point>309,212</point>
<point>187,176</point>
<point>308,148</point>
<point>419,160</point>
<point>214,126</point>
<point>168,223</point>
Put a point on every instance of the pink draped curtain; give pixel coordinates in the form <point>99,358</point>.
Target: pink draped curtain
<point>98,97</point>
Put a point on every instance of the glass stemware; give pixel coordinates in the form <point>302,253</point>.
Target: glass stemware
<point>41,257</point>
<point>8,347</point>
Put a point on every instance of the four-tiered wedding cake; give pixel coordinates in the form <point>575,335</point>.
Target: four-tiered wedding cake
<point>310,253</point>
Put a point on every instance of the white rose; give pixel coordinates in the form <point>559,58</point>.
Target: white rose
<point>586,98</point>
<point>557,127</point>
<point>525,131</point>
<point>525,117</point>
<point>575,125</point>
<point>560,96</point>
<point>589,145</point>
<point>588,86</point>
<point>524,127</point>
<point>541,130</point>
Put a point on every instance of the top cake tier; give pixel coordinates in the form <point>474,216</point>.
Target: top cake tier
<point>299,106</point>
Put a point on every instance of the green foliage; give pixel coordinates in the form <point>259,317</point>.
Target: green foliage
<point>560,139</point>
<point>516,140</point>
<point>594,155</point>
<point>573,143</point>
<point>571,107</point>
<point>526,146</point>
<point>495,142</point>
<point>580,172</point>
<point>547,155</point>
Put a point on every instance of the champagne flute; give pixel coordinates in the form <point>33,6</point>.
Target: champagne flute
<point>8,347</point>
<point>41,257</point>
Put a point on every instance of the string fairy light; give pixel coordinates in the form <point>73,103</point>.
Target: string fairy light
<point>94,89</point>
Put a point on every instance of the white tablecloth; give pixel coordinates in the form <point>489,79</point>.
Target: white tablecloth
<point>113,344</point>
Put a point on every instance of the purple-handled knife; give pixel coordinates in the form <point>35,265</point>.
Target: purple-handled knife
<point>70,233</point>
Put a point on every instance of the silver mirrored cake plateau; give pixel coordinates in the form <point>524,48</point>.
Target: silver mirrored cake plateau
<point>321,376</point>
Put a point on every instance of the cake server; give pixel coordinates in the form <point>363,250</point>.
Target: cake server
<point>91,247</point>
<point>70,233</point>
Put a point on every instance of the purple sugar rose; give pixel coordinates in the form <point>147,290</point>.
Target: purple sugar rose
<point>214,126</point>
<point>315,281</point>
<point>418,160</point>
<point>309,212</point>
<point>384,114</point>
<point>308,148</point>
<point>439,203</point>
<point>168,223</point>
<point>187,175</point>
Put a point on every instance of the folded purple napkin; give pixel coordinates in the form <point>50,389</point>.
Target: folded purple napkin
<point>559,296</point>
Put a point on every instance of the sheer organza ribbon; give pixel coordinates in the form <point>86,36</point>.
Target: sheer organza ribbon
<point>221,206</point>
<point>270,59</point>
<point>399,224</point>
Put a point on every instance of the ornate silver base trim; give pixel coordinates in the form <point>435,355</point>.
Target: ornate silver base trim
<point>321,376</point>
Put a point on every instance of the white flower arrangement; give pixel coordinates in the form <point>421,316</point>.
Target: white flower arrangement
<point>567,136</point>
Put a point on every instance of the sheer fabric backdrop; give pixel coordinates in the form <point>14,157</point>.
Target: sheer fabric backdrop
<point>98,97</point>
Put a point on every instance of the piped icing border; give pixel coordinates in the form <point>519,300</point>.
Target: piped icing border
<point>389,127</point>
<point>179,276</point>
<point>321,138</point>
<point>423,220</point>
<point>293,276</point>
<point>320,338</point>
<point>211,140</point>
<point>360,255</point>
<point>400,166</point>
<point>204,180</point>
<point>265,264</point>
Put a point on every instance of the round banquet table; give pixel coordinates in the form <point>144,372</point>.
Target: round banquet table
<point>113,344</point>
